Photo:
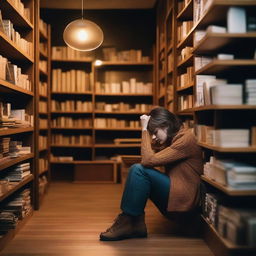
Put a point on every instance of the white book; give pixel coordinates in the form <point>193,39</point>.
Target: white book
<point>236,20</point>
<point>216,29</point>
<point>224,56</point>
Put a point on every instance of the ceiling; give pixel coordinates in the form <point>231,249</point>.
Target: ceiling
<point>97,4</point>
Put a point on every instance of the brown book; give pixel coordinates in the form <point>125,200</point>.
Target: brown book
<point>253,136</point>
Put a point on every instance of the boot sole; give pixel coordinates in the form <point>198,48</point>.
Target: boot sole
<point>104,238</point>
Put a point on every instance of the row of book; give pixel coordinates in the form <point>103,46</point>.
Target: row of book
<point>121,106</point>
<point>170,63</point>
<point>183,29</point>
<point>7,27</point>
<point>64,53</point>
<point>17,173</point>
<point>131,86</point>
<point>60,139</point>
<point>12,73</point>
<point>210,90</point>
<point>71,81</point>
<point>71,105</point>
<point>162,68</point>
<point>19,5</point>
<point>226,137</point>
<point>11,148</point>
<point>111,54</point>
<point>43,65</point>
<point>43,164</point>
<point>61,158</point>
<point>115,122</point>
<point>71,122</point>
<point>43,26</point>
<point>231,173</point>
<point>14,118</point>
<point>43,123</point>
<point>185,102</point>
<point>237,225</point>
<point>42,140</point>
<point>42,106</point>
<point>43,88</point>
<point>16,209</point>
<point>170,92</point>
<point>43,47</point>
<point>185,78</point>
<point>185,53</point>
<point>238,19</point>
<point>43,185</point>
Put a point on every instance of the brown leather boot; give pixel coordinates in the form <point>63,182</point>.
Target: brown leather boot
<point>125,227</point>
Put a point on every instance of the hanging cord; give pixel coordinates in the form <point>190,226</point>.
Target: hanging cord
<point>82,9</point>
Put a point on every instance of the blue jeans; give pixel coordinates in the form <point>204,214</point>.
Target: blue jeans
<point>143,183</point>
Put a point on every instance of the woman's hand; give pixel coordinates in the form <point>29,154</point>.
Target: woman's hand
<point>144,122</point>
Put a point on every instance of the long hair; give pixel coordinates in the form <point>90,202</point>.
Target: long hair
<point>162,118</point>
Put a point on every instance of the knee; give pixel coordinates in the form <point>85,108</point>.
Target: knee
<point>135,169</point>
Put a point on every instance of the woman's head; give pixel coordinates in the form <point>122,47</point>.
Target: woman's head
<point>163,125</point>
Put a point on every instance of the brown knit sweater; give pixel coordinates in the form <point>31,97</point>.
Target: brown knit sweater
<point>183,163</point>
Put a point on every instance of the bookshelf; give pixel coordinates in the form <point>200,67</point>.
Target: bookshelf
<point>17,130</point>
<point>199,39</point>
<point>42,132</point>
<point>112,91</point>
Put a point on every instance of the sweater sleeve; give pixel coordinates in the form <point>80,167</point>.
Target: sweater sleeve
<point>177,151</point>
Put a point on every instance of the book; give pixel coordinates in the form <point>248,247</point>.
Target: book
<point>236,20</point>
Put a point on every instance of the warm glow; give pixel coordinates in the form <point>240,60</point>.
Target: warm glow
<point>82,35</point>
<point>98,62</point>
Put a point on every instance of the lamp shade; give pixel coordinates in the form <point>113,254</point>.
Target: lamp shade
<point>83,35</point>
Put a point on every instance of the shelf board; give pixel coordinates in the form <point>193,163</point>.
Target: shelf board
<point>117,145</point>
<point>71,93</point>
<point>13,50</point>
<point>217,66</point>
<point>225,107</point>
<point>42,72</point>
<point>12,161</point>
<point>42,129</point>
<point>88,61</point>
<point>187,12</point>
<point>42,172</point>
<point>43,113</point>
<point>9,87</point>
<point>16,186</point>
<point>84,162</point>
<point>125,63</point>
<point>228,150</point>
<point>216,13</point>
<point>124,94</point>
<point>43,54</point>
<point>186,87</point>
<point>70,146</point>
<point>11,131</point>
<point>118,129</point>
<point>187,62</point>
<point>42,149</point>
<point>16,17</point>
<point>229,190</point>
<point>169,48</point>
<point>185,112</point>
<point>43,96</point>
<point>70,112</point>
<point>119,112</point>
<point>71,128</point>
<point>12,232</point>
<point>187,41</point>
<point>43,35</point>
<point>214,41</point>
<point>226,243</point>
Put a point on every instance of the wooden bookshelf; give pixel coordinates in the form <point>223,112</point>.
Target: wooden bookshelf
<point>43,80</point>
<point>217,116</point>
<point>23,57</point>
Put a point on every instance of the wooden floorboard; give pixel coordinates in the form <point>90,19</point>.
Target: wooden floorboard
<point>73,215</point>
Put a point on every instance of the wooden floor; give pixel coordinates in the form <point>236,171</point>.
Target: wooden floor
<point>73,215</point>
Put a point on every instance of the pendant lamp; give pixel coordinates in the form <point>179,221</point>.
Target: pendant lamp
<point>83,35</point>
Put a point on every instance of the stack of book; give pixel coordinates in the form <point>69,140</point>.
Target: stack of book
<point>16,149</point>
<point>18,173</point>
<point>237,175</point>
<point>250,91</point>
<point>4,147</point>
